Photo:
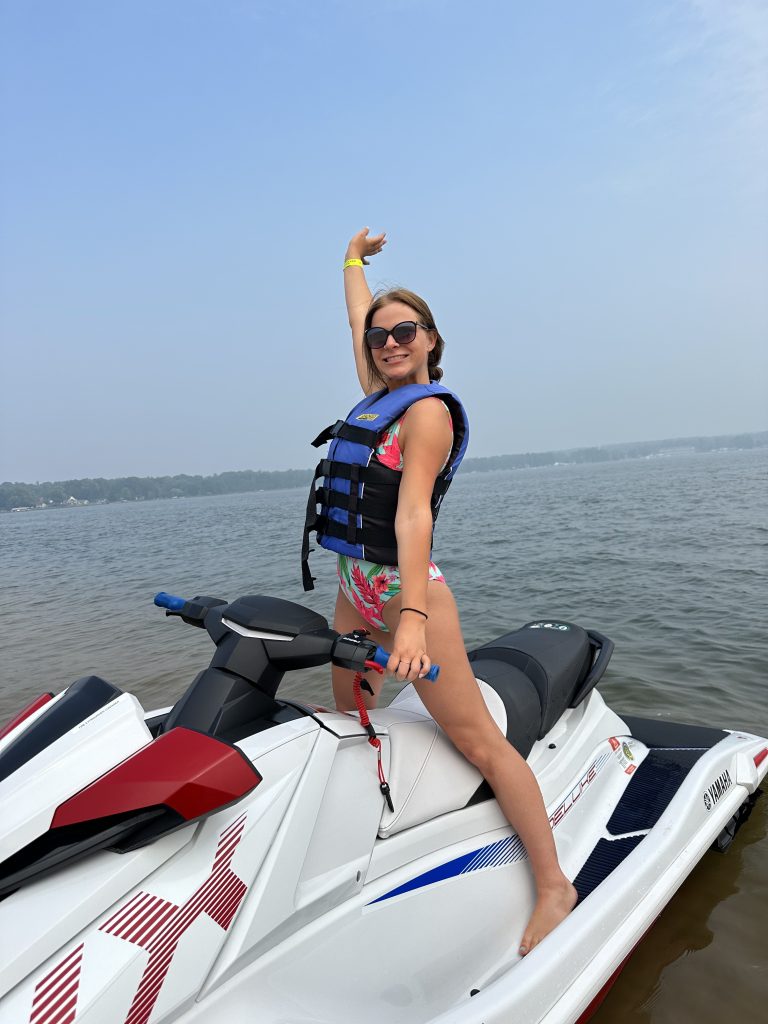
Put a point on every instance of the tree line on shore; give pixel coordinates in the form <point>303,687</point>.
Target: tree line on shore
<point>146,488</point>
<point>134,488</point>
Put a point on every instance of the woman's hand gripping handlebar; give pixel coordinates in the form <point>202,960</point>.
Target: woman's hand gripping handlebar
<point>382,657</point>
<point>355,651</point>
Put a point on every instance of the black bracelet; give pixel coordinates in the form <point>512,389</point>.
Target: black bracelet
<point>414,610</point>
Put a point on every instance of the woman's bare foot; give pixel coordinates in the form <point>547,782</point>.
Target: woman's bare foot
<point>552,906</point>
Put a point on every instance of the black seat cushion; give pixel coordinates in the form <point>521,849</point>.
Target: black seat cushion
<point>555,656</point>
<point>521,701</point>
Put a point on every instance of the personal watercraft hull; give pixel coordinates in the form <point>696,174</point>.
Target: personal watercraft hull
<point>306,901</point>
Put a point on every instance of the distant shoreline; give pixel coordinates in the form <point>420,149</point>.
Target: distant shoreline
<point>21,497</point>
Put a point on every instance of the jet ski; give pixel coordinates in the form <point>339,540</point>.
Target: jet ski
<point>240,857</point>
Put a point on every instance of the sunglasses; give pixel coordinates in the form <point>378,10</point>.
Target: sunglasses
<point>403,334</point>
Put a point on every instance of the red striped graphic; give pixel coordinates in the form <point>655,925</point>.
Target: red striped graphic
<point>55,997</point>
<point>157,925</point>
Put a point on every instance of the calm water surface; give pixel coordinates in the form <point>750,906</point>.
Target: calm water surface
<point>667,556</point>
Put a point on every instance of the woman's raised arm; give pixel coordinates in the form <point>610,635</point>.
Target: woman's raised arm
<point>358,295</point>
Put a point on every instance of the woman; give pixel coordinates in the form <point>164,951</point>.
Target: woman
<point>405,602</point>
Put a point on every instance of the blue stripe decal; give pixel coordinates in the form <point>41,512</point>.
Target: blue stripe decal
<point>504,851</point>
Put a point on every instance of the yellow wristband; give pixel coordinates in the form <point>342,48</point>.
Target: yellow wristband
<point>352,263</point>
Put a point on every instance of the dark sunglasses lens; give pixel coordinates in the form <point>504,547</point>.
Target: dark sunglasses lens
<point>376,337</point>
<point>404,333</point>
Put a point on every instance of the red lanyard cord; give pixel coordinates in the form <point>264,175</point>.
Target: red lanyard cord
<point>365,721</point>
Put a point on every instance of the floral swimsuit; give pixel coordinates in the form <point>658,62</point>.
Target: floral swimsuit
<point>366,585</point>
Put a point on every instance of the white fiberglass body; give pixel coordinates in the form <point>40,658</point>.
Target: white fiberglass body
<point>307,901</point>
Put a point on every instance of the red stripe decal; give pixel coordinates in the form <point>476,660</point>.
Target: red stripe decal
<point>157,926</point>
<point>55,998</point>
<point>57,971</point>
<point>237,823</point>
<point>63,1004</point>
<point>154,924</point>
<point>117,919</point>
<point>54,991</point>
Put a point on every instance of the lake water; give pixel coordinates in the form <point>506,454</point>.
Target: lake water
<point>667,556</point>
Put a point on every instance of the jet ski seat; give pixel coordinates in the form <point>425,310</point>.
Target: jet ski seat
<point>539,671</point>
<point>427,775</point>
<point>527,678</point>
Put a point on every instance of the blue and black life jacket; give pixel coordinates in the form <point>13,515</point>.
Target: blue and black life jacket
<point>358,496</point>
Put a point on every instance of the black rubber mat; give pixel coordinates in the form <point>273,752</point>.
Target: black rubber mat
<point>606,856</point>
<point>651,789</point>
<point>674,750</point>
<point>658,732</point>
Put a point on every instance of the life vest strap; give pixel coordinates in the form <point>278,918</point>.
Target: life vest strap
<point>340,470</point>
<point>337,499</point>
<point>331,528</point>
<point>347,432</point>
<point>328,434</point>
<point>376,506</point>
<point>310,525</point>
<point>354,490</point>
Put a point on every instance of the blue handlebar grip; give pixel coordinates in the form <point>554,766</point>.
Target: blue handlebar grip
<point>173,604</point>
<point>381,657</point>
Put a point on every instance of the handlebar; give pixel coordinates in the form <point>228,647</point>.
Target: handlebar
<point>195,615</point>
<point>381,657</point>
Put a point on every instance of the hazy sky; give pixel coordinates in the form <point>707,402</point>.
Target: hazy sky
<point>578,189</point>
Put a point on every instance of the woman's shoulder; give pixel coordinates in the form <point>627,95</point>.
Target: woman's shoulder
<point>433,403</point>
<point>429,410</point>
<point>428,418</point>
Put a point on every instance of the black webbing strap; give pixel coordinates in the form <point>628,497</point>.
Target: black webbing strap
<point>352,514</point>
<point>347,432</point>
<point>337,499</point>
<point>342,470</point>
<point>331,528</point>
<point>358,435</point>
<point>386,555</point>
<point>376,506</point>
<point>328,434</point>
<point>310,524</point>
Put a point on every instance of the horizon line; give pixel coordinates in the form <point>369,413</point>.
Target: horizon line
<point>469,459</point>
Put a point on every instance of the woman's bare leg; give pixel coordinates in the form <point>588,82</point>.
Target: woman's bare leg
<point>456,704</point>
<point>345,619</point>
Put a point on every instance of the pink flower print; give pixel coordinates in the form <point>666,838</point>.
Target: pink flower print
<point>360,581</point>
<point>363,608</point>
<point>389,454</point>
<point>367,592</point>
<point>381,583</point>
